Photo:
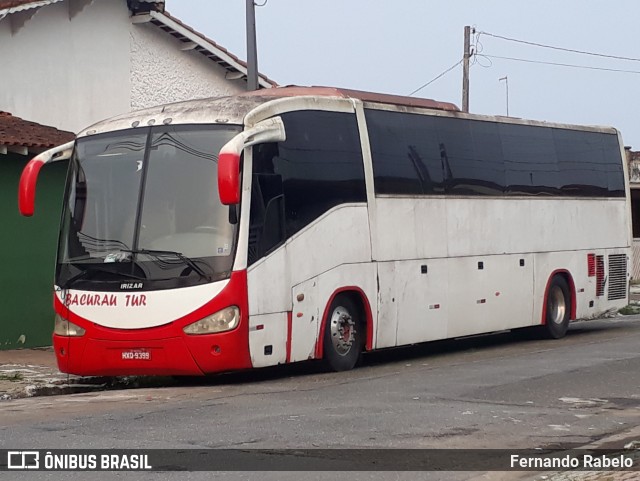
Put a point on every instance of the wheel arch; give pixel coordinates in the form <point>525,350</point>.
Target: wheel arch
<point>566,275</point>
<point>358,296</point>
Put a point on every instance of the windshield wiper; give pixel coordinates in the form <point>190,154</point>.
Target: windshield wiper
<point>158,254</point>
<point>92,269</point>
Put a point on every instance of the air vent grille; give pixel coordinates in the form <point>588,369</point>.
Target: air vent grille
<point>617,277</point>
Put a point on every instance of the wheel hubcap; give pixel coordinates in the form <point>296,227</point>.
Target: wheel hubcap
<point>343,332</point>
<point>557,305</point>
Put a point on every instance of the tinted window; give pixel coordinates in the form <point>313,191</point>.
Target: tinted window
<point>473,152</point>
<point>406,154</point>
<point>531,164</point>
<point>420,155</point>
<point>587,164</point>
<point>417,154</point>
<point>318,167</point>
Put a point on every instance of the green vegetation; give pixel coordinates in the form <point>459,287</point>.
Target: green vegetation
<point>13,376</point>
<point>630,310</point>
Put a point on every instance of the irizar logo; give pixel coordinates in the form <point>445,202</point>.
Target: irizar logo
<point>129,286</point>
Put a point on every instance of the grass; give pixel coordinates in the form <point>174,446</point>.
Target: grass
<point>14,376</point>
<point>630,310</point>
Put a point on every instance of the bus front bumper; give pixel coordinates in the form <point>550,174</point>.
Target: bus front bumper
<point>175,356</point>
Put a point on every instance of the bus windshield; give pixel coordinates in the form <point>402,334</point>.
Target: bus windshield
<point>143,204</point>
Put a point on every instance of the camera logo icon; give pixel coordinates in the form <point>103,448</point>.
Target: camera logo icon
<point>23,460</point>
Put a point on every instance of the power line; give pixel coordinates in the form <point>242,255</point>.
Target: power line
<point>582,52</point>
<point>557,64</point>
<point>436,78</point>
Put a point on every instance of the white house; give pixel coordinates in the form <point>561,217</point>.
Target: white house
<point>70,63</point>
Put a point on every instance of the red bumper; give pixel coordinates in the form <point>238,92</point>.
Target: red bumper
<point>189,356</point>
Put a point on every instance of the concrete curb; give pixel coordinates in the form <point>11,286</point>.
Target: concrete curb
<point>30,380</point>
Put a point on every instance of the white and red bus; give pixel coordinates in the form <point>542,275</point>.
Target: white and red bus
<point>306,223</point>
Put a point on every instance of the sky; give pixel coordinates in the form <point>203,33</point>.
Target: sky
<point>397,46</point>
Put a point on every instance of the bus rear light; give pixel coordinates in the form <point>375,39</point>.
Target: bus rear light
<point>67,329</point>
<point>591,264</point>
<point>221,321</point>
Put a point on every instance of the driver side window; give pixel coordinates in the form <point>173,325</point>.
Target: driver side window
<point>267,225</point>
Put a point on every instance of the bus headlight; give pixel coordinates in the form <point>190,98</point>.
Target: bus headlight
<point>221,321</point>
<point>66,328</point>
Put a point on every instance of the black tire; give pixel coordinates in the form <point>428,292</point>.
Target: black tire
<point>344,334</point>
<point>558,309</point>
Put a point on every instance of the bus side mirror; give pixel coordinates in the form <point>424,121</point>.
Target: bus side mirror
<point>229,178</point>
<point>29,177</point>
<point>27,188</point>
<point>270,130</point>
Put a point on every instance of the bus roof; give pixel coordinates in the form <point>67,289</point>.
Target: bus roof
<point>233,109</point>
<point>296,91</point>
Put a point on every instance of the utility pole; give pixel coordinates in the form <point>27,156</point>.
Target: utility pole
<point>465,69</point>
<point>252,48</point>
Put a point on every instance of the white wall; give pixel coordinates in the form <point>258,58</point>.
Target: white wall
<point>67,73</point>
<point>162,73</point>
<point>72,73</point>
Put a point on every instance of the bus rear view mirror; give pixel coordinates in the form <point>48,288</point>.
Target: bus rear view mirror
<point>270,130</point>
<point>29,177</point>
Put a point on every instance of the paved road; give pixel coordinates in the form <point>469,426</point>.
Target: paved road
<point>496,391</point>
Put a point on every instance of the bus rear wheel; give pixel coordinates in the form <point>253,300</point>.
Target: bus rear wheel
<point>343,334</point>
<point>558,309</point>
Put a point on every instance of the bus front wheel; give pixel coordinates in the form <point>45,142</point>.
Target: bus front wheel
<point>558,308</point>
<point>343,334</point>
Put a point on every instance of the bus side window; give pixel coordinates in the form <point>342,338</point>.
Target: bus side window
<point>266,224</point>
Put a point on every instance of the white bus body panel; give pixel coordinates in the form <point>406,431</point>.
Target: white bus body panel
<point>332,252</point>
<point>496,297</point>
<point>308,313</point>
<point>451,236</point>
<point>268,330</point>
<point>413,306</point>
<point>419,228</point>
<point>340,236</point>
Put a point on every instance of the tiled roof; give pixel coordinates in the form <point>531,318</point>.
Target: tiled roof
<point>13,3</point>
<point>17,132</point>
<point>206,52</point>
<point>4,4</point>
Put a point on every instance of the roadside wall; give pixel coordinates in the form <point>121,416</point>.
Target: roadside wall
<point>27,255</point>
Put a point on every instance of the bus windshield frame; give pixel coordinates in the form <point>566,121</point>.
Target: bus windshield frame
<point>141,205</point>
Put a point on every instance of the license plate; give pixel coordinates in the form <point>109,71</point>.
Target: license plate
<point>136,355</point>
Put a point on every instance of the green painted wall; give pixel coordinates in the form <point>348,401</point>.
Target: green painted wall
<point>27,255</point>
